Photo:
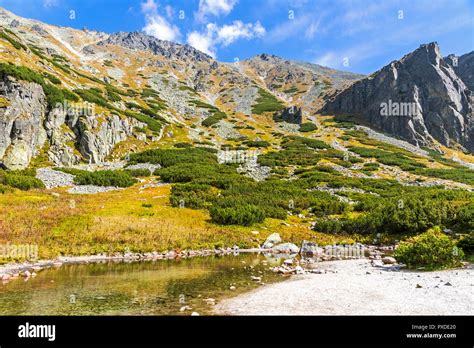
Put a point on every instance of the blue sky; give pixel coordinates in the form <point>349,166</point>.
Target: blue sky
<point>355,35</point>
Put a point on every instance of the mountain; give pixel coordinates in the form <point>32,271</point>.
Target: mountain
<point>70,96</point>
<point>140,86</point>
<point>428,101</point>
<point>464,68</point>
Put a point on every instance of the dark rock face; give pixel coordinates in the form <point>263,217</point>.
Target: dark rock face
<point>418,98</point>
<point>292,114</point>
<point>14,24</point>
<point>464,68</point>
<point>141,41</point>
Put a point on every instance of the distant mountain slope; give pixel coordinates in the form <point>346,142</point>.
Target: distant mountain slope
<point>142,88</point>
<point>297,82</point>
<point>419,98</point>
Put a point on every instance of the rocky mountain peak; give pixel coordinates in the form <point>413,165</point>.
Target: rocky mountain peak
<point>142,41</point>
<point>430,101</point>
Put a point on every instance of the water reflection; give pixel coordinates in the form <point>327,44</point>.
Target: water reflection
<point>138,288</point>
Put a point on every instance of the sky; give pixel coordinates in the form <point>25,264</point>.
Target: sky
<point>353,35</point>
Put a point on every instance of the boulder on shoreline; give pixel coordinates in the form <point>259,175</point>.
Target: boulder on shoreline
<point>271,240</point>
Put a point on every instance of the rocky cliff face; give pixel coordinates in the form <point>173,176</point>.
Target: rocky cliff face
<point>419,98</point>
<point>26,127</point>
<point>464,68</point>
<point>21,118</point>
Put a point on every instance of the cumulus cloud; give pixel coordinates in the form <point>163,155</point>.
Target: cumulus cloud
<point>156,24</point>
<point>225,35</point>
<point>204,42</point>
<point>214,8</point>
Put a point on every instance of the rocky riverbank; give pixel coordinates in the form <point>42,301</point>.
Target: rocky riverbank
<point>273,247</point>
<point>29,269</point>
<point>358,287</point>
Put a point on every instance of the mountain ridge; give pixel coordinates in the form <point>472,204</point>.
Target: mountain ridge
<point>168,93</point>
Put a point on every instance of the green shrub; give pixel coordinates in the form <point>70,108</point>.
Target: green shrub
<point>266,102</point>
<point>464,175</point>
<point>389,158</point>
<point>118,178</point>
<point>246,215</point>
<point>11,40</point>
<point>94,96</point>
<point>192,195</point>
<point>152,124</point>
<point>467,243</point>
<point>170,157</point>
<point>431,250</point>
<point>112,94</point>
<point>183,145</point>
<point>5,189</point>
<point>257,143</point>
<point>137,173</point>
<point>212,120</point>
<point>52,78</point>
<point>22,180</point>
<point>307,127</point>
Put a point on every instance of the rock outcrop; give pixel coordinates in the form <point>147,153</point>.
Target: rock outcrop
<point>292,114</point>
<point>27,127</point>
<point>464,68</point>
<point>21,122</point>
<point>419,98</point>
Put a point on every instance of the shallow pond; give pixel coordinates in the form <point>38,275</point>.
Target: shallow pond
<point>138,288</point>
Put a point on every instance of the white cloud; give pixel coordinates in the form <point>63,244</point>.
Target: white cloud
<point>149,6</point>
<point>306,24</point>
<point>214,8</point>
<point>328,59</point>
<point>50,3</point>
<point>169,11</point>
<point>225,35</point>
<point>203,42</point>
<point>156,24</point>
<point>160,28</point>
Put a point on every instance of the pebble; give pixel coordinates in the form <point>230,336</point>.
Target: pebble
<point>232,288</point>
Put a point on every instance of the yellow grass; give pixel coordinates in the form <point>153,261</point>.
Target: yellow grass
<point>119,221</point>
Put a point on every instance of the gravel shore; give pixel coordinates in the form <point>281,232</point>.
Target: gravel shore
<point>355,287</point>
